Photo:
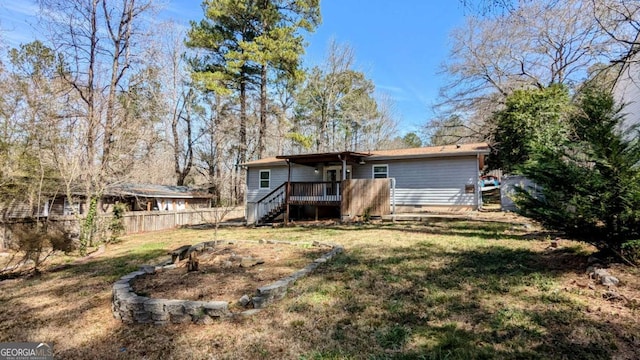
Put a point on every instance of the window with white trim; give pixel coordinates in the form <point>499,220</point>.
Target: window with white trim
<point>380,171</point>
<point>265,179</point>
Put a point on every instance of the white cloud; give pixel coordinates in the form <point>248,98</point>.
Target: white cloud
<point>21,7</point>
<point>17,19</point>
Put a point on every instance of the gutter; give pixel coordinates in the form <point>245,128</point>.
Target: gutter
<point>422,156</point>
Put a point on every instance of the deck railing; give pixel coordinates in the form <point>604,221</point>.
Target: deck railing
<point>315,192</point>
<point>298,193</point>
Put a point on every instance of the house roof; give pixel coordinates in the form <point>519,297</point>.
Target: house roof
<point>413,153</point>
<point>156,191</point>
<point>312,159</point>
<point>432,151</point>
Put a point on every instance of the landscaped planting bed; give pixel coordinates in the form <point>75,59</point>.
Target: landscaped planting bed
<point>220,279</point>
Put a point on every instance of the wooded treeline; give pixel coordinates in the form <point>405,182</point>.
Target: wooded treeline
<point>509,45</point>
<point>107,95</point>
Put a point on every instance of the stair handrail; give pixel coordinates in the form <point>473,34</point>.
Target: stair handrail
<point>266,203</point>
<point>272,192</point>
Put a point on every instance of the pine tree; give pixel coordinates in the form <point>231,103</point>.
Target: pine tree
<point>589,184</point>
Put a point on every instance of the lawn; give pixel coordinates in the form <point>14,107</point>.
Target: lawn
<point>432,290</point>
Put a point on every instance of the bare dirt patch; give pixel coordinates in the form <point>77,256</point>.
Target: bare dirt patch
<point>228,272</point>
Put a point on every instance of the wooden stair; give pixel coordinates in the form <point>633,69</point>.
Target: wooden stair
<point>273,214</point>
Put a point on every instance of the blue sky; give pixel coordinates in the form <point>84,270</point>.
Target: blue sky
<point>400,45</point>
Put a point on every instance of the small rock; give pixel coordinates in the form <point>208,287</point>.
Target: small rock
<point>149,269</point>
<point>258,302</point>
<point>609,280</point>
<point>554,244</point>
<point>244,300</point>
<point>600,273</point>
<point>180,319</point>
<point>227,264</point>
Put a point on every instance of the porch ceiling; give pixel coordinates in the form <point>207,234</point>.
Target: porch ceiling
<point>320,158</point>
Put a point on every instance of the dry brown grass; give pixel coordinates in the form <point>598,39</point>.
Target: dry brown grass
<point>443,289</point>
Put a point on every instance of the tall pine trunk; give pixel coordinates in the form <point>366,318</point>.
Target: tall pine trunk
<point>263,111</point>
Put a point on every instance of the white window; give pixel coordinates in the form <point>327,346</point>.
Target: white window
<point>70,208</point>
<point>380,171</point>
<point>265,179</point>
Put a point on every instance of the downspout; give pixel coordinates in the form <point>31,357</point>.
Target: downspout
<point>478,188</point>
<point>393,196</point>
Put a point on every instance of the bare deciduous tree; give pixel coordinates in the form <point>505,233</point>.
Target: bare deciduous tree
<point>533,44</point>
<point>100,41</point>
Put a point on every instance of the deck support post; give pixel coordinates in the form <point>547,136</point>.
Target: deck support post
<point>287,190</point>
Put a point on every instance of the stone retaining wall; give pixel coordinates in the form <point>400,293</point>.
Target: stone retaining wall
<point>132,308</point>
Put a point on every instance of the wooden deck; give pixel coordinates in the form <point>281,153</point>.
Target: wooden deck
<point>353,198</point>
<point>315,193</point>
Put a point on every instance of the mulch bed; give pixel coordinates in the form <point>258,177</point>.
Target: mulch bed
<point>223,275</point>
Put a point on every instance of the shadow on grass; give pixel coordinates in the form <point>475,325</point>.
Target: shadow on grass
<point>489,303</point>
<point>60,300</point>
<point>481,229</point>
<point>425,300</point>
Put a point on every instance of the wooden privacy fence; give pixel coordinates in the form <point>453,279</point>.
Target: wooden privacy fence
<point>361,197</point>
<point>144,221</point>
<point>137,221</point>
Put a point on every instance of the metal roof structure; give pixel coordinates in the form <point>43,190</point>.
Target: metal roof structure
<point>156,191</point>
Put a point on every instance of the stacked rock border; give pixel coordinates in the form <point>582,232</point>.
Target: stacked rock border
<point>132,308</point>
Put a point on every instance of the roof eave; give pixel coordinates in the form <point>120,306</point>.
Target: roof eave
<point>422,156</point>
<point>163,196</point>
<point>277,162</point>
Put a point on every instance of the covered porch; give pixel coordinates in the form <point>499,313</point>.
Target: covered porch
<point>336,169</point>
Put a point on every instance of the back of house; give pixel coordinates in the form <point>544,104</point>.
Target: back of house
<point>439,178</point>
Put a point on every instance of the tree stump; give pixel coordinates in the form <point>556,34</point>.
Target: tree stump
<point>192,264</point>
